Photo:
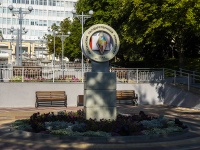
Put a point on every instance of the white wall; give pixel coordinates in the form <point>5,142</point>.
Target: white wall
<point>23,94</point>
<point>178,97</point>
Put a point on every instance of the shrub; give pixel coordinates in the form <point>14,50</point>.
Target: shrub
<point>74,123</point>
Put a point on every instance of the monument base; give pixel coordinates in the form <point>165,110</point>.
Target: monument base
<point>98,113</point>
<point>100,95</point>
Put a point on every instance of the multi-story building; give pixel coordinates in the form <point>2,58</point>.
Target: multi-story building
<point>44,14</point>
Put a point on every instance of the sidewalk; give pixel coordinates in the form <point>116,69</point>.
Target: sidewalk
<point>12,140</point>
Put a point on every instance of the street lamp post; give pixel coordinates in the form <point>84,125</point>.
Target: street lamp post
<point>54,48</point>
<point>63,37</point>
<point>41,40</point>
<point>20,13</point>
<point>82,19</point>
<point>18,61</point>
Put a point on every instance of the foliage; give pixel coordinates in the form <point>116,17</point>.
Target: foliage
<point>74,124</point>
<point>148,30</point>
<point>68,132</point>
<point>16,79</point>
<point>64,28</point>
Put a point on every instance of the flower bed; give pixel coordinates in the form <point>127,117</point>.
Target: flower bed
<point>39,79</point>
<point>74,124</point>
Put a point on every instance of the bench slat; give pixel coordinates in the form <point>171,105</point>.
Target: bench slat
<point>127,95</point>
<point>50,96</point>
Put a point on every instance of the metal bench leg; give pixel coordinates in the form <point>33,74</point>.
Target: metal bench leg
<point>36,104</point>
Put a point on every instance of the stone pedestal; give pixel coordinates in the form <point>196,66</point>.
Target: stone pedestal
<point>100,95</point>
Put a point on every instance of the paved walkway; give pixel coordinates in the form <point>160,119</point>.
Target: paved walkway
<point>16,140</point>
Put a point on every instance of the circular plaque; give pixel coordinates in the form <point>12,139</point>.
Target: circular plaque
<point>100,43</point>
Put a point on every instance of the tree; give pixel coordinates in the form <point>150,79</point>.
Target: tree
<point>148,30</point>
<point>154,25</point>
<point>63,28</point>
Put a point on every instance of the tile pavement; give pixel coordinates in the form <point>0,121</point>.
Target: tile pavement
<point>12,140</point>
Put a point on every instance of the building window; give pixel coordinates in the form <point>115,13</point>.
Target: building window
<point>32,2</point>
<point>44,23</point>
<point>8,20</point>
<point>36,11</point>
<point>54,3</point>
<point>32,22</point>
<point>40,22</point>
<point>41,2</point>
<point>40,12</point>
<point>44,12</point>
<point>4,10</point>
<point>14,1</point>
<point>45,2</point>
<point>26,21</point>
<point>50,3</point>
<point>4,20</point>
<point>4,30</point>
<point>54,13</point>
<point>27,1</point>
<point>36,22</point>
<point>57,22</point>
<point>36,33</point>
<point>8,31</point>
<point>62,13</point>
<point>58,13</point>
<point>49,12</point>
<point>14,21</point>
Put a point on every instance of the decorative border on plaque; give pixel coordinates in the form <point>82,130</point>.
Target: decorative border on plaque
<point>100,43</point>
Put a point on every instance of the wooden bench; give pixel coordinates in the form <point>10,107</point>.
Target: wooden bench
<point>80,100</point>
<point>123,95</point>
<point>51,97</point>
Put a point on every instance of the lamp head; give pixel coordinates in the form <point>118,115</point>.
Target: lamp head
<point>91,12</point>
<point>30,8</point>
<point>74,11</point>
<point>10,7</point>
<point>49,29</point>
<point>25,30</point>
<point>11,29</point>
<point>68,32</point>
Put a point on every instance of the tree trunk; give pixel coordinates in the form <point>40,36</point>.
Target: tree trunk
<point>181,58</point>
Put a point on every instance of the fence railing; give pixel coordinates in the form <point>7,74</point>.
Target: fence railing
<point>138,75</point>
<point>74,74</point>
<point>184,77</point>
<point>51,74</point>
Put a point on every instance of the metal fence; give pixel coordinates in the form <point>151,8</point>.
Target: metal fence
<point>74,74</point>
<point>70,74</point>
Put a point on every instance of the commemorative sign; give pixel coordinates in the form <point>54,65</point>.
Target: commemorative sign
<point>100,43</point>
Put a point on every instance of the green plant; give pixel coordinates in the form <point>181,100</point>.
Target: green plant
<point>75,124</point>
<point>16,79</point>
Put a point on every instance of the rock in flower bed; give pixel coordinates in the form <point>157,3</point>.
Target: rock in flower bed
<point>74,124</point>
